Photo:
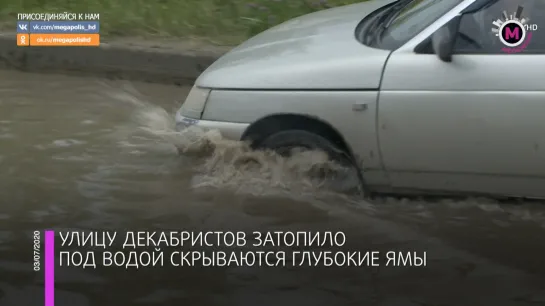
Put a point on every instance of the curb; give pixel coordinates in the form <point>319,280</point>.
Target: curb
<point>166,62</point>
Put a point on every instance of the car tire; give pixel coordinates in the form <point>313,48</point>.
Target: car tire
<point>283,142</point>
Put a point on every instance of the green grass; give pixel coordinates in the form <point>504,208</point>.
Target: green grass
<point>216,21</point>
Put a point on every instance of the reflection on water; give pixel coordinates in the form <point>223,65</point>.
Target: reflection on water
<point>84,154</point>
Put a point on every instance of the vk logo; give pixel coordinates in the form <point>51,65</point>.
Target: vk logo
<point>22,27</point>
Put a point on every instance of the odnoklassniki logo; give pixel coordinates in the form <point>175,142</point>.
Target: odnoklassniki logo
<point>514,31</point>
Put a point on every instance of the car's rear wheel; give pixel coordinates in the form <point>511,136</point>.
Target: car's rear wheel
<point>341,175</point>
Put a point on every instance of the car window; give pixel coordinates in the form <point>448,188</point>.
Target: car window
<point>416,16</point>
<point>479,32</point>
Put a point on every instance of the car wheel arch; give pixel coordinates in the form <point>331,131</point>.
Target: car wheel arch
<point>270,124</point>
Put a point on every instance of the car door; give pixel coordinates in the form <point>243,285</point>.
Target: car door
<point>475,124</point>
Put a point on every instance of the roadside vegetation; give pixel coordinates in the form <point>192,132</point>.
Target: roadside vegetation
<point>216,21</point>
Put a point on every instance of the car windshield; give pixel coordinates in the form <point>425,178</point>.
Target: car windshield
<point>407,20</point>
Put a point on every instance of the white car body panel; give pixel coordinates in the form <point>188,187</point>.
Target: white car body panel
<point>475,124</point>
<point>315,51</point>
<point>441,127</point>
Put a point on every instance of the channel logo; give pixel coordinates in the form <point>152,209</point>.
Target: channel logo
<point>514,31</point>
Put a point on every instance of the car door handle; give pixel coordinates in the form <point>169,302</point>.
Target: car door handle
<point>359,107</point>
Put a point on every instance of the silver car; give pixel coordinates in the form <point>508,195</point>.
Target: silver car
<point>422,96</point>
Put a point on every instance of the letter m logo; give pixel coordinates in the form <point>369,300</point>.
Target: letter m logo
<point>509,33</point>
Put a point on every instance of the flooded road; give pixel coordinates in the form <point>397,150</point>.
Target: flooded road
<point>86,154</point>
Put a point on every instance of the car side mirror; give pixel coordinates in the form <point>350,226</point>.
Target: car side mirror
<point>444,38</point>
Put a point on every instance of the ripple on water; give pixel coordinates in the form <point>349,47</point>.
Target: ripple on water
<point>67,142</point>
<point>73,158</point>
<point>5,133</point>
<point>60,143</point>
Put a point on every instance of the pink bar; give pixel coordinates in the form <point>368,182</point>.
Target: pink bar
<point>49,268</point>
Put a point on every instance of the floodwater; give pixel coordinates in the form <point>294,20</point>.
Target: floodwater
<point>88,155</point>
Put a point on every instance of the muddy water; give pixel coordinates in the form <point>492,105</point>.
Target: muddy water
<point>86,154</point>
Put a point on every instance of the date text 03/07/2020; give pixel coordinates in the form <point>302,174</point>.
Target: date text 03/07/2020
<point>58,29</point>
<point>36,250</point>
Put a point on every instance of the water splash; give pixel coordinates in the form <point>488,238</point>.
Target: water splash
<point>221,163</point>
<point>227,164</point>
